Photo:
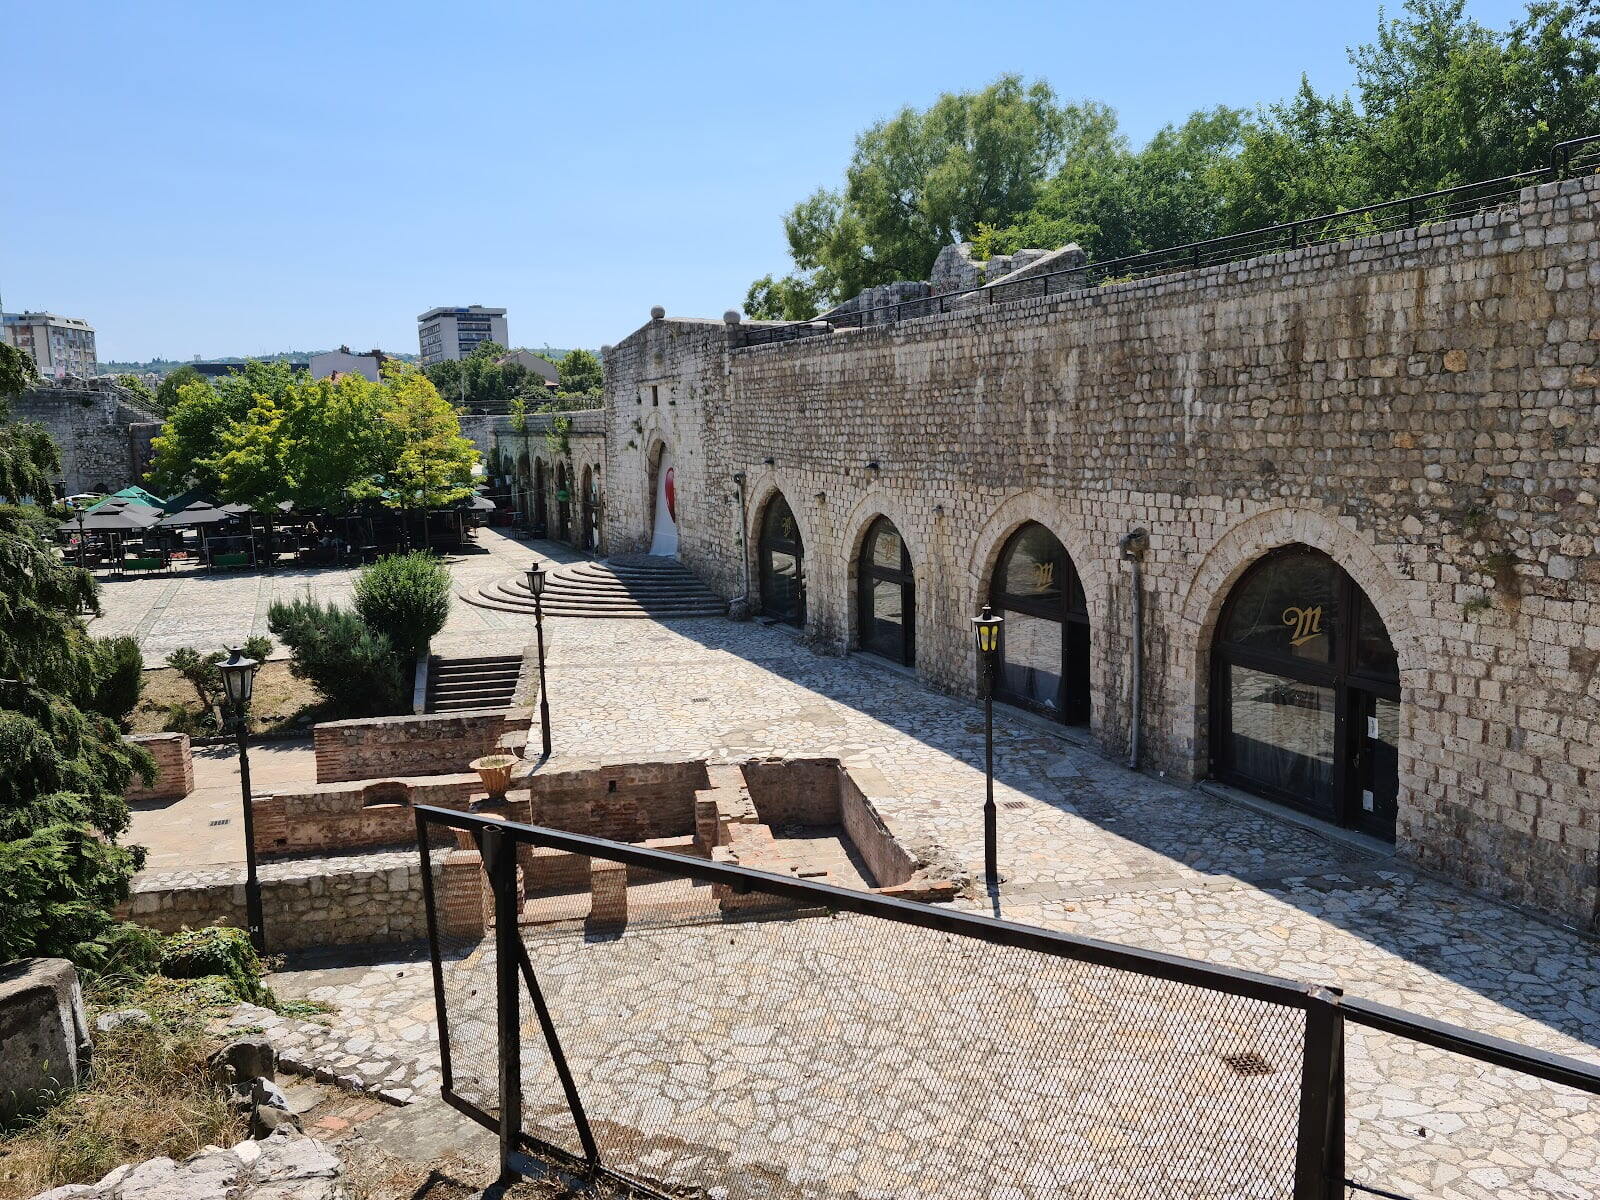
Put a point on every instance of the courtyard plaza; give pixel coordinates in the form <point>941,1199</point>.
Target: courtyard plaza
<point>211,609</point>
<point>1086,846</point>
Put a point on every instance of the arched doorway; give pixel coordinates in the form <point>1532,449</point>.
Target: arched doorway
<point>541,513</point>
<point>886,603</point>
<point>586,511</point>
<point>563,504</point>
<point>1305,693</point>
<point>1044,644</point>
<point>664,507</point>
<point>782,557</point>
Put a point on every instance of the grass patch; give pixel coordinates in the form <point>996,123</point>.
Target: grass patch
<point>149,1094</point>
<point>280,702</point>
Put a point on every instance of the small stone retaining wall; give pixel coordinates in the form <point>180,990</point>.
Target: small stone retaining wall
<point>346,900</point>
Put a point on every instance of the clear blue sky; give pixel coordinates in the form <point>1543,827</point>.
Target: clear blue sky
<point>241,178</point>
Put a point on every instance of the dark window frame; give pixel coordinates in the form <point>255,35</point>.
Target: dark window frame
<point>870,572</point>
<point>1070,609</point>
<point>766,544</point>
<point>1343,674</point>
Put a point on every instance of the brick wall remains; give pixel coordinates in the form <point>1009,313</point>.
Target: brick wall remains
<point>391,747</point>
<point>352,816</point>
<point>174,766</point>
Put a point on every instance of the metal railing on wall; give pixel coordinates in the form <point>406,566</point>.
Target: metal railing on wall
<point>1409,212</point>
<point>780,1038</point>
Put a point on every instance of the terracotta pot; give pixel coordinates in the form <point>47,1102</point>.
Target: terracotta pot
<point>495,771</point>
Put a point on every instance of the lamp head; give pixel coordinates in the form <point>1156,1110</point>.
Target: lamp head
<point>986,628</point>
<point>238,677</point>
<point>536,578</point>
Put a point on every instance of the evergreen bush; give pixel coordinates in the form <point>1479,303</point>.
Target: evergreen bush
<point>405,597</point>
<point>120,678</point>
<point>351,664</point>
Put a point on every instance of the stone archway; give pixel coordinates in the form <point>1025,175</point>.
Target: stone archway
<point>662,528</point>
<point>1236,552</point>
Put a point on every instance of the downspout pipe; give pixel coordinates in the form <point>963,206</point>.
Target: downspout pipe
<point>1132,547</point>
<point>744,549</point>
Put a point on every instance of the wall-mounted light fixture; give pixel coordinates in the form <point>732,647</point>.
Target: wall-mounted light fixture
<point>768,461</point>
<point>873,465</point>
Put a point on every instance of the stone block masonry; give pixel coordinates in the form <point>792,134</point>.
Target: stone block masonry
<point>104,438</point>
<point>340,900</point>
<point>1422,406</point>
<point>174,766</point>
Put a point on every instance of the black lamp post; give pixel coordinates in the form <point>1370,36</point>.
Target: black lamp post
<point>238,680</point>
<point>986,627</point>
<point>536,580</point>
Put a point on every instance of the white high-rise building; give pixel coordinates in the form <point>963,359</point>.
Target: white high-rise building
<point>59,346</point>
<point>453,333</point>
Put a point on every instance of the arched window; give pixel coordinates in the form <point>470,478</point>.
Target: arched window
<point>586,511</point>
<point>563,504</point>
<point>783,578</point>
<point>887,602</point>
<point>1305,693</point>
<point>1044,644</point>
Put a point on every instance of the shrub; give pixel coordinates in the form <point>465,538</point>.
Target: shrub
<point>405,597</point>
<point>216,951</point>
<point>57,888</point>
<point>203,674</point>
<point>351,664</point>
<point>119,678</point>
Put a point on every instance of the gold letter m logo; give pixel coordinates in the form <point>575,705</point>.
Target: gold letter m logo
<point>1306,623</point>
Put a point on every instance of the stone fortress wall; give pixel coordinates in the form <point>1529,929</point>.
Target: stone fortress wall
<point>104,437</point>
<point>1420,405</point>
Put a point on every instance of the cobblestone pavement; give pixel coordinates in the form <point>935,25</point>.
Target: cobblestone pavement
<point>209,609</point>
<point>1094,849</point>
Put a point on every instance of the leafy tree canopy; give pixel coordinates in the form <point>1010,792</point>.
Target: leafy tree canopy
<point>581,374</point>
<point>1439,99</point>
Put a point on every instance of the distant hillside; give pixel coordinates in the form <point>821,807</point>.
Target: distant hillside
<point>164,366</point>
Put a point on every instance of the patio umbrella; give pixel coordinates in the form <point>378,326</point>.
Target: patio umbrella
<point>197,514</point>
<point>114,520</point>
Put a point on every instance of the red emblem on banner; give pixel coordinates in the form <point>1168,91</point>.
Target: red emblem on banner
<point>672,496</point>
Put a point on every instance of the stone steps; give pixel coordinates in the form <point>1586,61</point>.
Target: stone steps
<point>635,587</point>
<point>459,684</point>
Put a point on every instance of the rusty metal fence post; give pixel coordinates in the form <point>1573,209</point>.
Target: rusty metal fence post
<point>1319,1154</point>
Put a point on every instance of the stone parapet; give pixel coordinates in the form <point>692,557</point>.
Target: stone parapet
<point>387,747</point>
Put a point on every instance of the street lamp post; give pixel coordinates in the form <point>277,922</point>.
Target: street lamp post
<point>536,581</point>
<point>986,627</point>
<point>238,679</point>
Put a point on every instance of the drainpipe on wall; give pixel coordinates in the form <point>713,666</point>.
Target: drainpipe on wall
<point>744,549</point>
<point>1133,545</point>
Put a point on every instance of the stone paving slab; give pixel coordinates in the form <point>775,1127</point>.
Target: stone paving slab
<point>212,609</point>
<point>1095,849</point>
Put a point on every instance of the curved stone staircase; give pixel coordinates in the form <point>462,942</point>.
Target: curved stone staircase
<point>633,586</point>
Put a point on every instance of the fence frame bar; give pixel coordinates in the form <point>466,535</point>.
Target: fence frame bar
<point>1150,963</point>
<point>500,863</point>
<point>1319,1148</point>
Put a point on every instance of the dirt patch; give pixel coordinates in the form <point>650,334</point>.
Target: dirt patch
<point>280,702</point>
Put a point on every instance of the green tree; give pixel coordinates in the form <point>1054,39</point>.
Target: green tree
<point>171,384</point>
<point>788,299</point>
<point>486,378</point>
<point>201,414</point>
<point>581,374</point>
<point>1116,202</point>
<point>66,766</point>
<point>926,178</point>
<point>426,462</point>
